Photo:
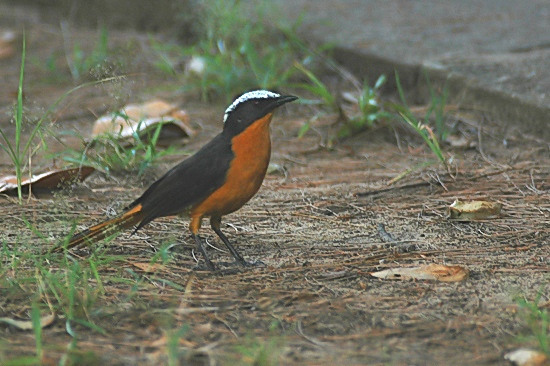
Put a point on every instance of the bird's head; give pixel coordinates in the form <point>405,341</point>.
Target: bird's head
<point>250,107</point>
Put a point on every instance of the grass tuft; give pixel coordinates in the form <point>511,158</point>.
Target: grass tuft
<point>37,328</point>
<point>14,149</point>
<point>537,320</point>
<point>422,129</point>
<point>235,51</point>
<point>369,106</point>
<point>21,154</point>
<point>81,64</point>
<point>109,154</point>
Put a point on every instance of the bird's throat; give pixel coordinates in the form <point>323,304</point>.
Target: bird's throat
<point>252,151</point>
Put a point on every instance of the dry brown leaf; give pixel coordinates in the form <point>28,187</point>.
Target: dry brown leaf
<point>141,118</point>
<point>474,210</point>
<point>48,180</point>
<point>527,357</point>
<point>155,108</point>
<point>149,267</point>
<point>460,142</point>
<point>439,272</point>
<point>27,324</point>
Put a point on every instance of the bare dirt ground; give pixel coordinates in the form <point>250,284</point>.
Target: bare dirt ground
<point>314,224</point>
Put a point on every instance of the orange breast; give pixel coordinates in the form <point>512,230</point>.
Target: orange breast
<point>252,150</point>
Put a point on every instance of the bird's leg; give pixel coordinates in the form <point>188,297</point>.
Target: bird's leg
<point>215,223</point>
<point>194,227</point>
<point>201,249</point>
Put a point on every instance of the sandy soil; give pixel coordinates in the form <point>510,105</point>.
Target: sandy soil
<point>315,226</point>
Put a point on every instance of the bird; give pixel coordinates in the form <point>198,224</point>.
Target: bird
<point>217,180</point>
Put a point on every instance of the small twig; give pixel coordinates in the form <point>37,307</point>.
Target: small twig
<point>383,234</point>
<point>485,157</point>
<point>311,340</point>
<point>399,176</point>
<point>438,179</point>
<point>397,139</point>
<point>227,326</point>
<point>214,247</point>
<point>480,147</point>
<point>533,187</point>
<point>507,177</point>
<point>236,228</point>
<point>427,183</point>
<point>293,160</point>
<point>383,190</point>
<point>194,257</point>
<point>357,207</point>
<point>398,245</point>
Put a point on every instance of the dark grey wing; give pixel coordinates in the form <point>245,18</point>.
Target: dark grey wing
<point>189,182</point>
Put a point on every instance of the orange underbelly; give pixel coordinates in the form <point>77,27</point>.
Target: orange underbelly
<point>252,150</point>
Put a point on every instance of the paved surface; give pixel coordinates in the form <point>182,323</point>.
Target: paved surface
<point>494,54</point>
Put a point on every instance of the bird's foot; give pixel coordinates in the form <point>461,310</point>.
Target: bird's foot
<point>243,264</point>
<point>207,266</point>
<point>257,263</point>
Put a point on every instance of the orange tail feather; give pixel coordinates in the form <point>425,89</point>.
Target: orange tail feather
<point>106,228</point>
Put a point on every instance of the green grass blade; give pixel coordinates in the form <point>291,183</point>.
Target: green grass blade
<point>37,328</point>
<point>430,140</point>
<point>22,361</point>
<point>19,123</point>
<point>400,90</point>
<point>59,100</point>
<point>90,325</point>
<point>320,88</point>
<point>7,147</point>
<point>96,275</point>
<point>380,81</point>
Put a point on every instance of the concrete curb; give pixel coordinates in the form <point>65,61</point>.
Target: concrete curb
<point>512,111</point>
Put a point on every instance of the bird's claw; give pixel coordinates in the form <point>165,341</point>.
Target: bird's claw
<point>257,263</point>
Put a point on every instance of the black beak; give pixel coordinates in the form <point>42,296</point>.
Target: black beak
<point>279,101</point>
<point>285,99</point>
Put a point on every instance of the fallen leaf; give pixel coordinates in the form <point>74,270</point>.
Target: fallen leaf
<point>474,210</point>
<point>149,267</point>
<point>153,108</point>
<point>460,142</point>
<point>142,118</point>
<point>48,180</point>
<point>27,324</point>
<point>439,272</point>
<point>527,357</point>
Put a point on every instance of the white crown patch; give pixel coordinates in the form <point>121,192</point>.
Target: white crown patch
<point>256,94</point>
